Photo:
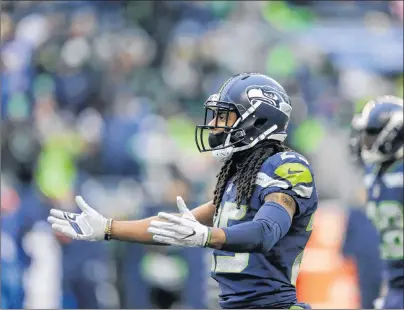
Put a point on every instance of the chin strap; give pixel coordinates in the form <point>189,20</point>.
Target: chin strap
<point>225,154</point>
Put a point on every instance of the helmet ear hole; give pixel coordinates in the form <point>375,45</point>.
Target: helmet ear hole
<point>260,122</point>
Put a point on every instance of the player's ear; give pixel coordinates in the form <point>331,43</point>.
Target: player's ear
<point>232,118</point>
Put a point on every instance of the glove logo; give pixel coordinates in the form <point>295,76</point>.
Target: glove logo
<point>190,235</point>
<point>76,228</point>
<point>70,216</point>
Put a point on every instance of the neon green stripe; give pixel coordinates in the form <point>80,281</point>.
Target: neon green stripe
<point>310,225</point>
<point>394,165</point>
<point>295,173</point>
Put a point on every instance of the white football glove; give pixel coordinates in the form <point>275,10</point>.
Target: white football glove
<point>88,225</point>
<point>182,230</point>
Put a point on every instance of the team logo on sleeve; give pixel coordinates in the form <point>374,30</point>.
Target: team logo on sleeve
<point>290,171</point>
<point>297,176</point>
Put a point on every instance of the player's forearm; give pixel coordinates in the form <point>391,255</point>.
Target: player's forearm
<point>248,237</point>
<point>204,213</point>
<point>136,231</point>
<point>133,231</point>
<point>269,225</point>
<point>217,238</point>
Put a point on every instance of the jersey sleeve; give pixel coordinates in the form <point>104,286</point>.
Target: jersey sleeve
<point>289,173</point>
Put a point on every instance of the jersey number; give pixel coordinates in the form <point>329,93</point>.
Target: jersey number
<point>296,268</point>
<point>239,261</point>
<point>286,155</point>
<point>388,218</point>
<point>298,260</point>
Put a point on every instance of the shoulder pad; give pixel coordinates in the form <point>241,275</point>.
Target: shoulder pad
<point>290,166</point>
<point>287,171</point>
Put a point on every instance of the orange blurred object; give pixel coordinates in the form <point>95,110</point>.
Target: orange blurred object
<point>326,279</point>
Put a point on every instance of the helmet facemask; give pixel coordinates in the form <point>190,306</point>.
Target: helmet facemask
<point>228,136</point>
<point>378,145</point>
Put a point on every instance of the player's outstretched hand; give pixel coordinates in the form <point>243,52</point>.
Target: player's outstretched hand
<point>182,230</point>
<point>88,225</point>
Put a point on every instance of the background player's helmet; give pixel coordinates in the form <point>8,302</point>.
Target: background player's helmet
<point>381,130</point>
<point>263,109</point>
<point>355,147</point>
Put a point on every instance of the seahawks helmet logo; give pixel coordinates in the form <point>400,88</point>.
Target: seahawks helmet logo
<point>269,96</point>
<point>272,98</point>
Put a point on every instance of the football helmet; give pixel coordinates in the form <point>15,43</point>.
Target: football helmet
<point>381,132</point>
<point>355,141</point>
<point>263,110</point>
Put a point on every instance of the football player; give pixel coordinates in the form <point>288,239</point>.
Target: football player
<point>379,146</point>
<point>260,218</point>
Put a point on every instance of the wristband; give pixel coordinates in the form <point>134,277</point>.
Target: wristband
<point>207,243</point>
<point>108,229</point>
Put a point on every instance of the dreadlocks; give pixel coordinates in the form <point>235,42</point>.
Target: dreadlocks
<point>245,171</point>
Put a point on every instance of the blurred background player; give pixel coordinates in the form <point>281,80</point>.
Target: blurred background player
<point>353,267</point>
<point>32,252</point>
<point>97,89</point>
<point>380,149</point>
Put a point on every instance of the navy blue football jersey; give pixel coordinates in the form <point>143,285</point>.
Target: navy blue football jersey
<point>254,280</point>
<point>385,208</point>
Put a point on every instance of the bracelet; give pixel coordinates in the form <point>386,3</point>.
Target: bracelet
<point>207,243</point>
<point>108,229</point>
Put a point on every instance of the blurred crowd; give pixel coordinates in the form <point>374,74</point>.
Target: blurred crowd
<point>101,98</point>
